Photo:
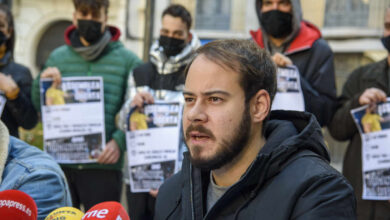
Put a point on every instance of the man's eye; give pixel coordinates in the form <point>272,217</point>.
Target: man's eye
<point>215,99</point>
<point>188,99</point>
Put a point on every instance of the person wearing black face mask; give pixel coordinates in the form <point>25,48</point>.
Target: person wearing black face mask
<point>366,85</point>
<point>160,79</point>
<point>15,80</point>
<point>293,41</point>
<point>93,49</point>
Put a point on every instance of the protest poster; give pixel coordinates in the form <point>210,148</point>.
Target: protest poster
<point>153,140</point>
<point>2,103</point>
<point>373,123</point>
<point>289,94</point>
<point>73,118</point>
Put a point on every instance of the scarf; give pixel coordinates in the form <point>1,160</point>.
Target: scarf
<point>92,52</point>
<point>4,141</point>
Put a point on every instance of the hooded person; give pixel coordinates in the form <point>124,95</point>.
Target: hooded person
<point>160,79</point>
<point>28,169</point>
<point>93,49</point>
<point>244,162</point>
<point>293,41</point>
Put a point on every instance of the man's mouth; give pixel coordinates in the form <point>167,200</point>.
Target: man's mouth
<point>199,136</point>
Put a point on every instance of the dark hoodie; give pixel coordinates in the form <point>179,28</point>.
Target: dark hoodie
<point>314,60</point>
<point>290,179</point>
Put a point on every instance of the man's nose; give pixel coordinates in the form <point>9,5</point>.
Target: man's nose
<point>197,113</point>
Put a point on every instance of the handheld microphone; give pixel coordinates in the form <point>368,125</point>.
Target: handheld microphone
<point>106,210</point>
<point>17,205</point>
<point>65,213</point>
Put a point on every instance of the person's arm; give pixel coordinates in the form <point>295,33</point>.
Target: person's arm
<point>342,126</point>
<point>20,106</point>
<point>318,86</point>
<point>48,189</point>
<point>328,197</point>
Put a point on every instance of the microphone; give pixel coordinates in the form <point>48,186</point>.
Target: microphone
<point>17,205</point>
<point>65,213</point>
<point>108,211</point>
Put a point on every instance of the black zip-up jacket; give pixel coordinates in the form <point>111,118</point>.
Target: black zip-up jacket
<point>20,111</point>
<point>290,179</point>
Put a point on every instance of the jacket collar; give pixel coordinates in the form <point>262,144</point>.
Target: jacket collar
<point>305,39</point>
<point>4,142</point>
<point>115,33</point>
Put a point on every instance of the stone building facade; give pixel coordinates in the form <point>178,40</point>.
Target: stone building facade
<point>352,28</point>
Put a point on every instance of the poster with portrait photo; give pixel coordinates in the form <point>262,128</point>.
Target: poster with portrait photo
<point>153,141</point>
<point>289,94</point>
<point>373,124</point>
<point>73,119</point>
<point>3,100</point>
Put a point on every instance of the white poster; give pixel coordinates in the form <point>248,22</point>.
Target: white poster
<point>3,100</point>
<point>289,94</point>
<point>73,119</point>
<point>153,141</point>
<point>373,123</point>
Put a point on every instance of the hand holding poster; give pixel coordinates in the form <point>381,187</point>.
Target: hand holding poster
<point>73,119</point>
<point>2,103</point>
<point>373,123</point>
<point>153,142</point>
<point>289,94</point>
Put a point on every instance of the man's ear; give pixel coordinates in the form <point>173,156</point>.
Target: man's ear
<point>260,106</point>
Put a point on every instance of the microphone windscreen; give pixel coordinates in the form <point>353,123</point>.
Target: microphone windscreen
<point>17,205</point>
<point>108,211</point>
<point>65,213</point>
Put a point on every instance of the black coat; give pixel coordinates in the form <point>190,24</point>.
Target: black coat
<point>290,179</point>
<point>343,128</point>
<point>20,111</point>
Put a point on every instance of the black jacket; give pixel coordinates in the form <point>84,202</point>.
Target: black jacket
<point>343,128</point>
<point>20,111</point>
<point>290,179</point>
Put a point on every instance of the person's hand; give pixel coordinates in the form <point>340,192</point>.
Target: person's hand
<point>281,60</point>
<point>8,86</point>
<point>153,192</point>
<point>140,98</point>
<point>372,95</point>
<point>110,154</point>
<point>53,73</point>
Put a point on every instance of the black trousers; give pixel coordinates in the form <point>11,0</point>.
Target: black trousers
<point>92,186</point>
<point>140,205</point>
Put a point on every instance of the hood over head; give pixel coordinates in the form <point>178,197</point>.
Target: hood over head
<point>296,21</point>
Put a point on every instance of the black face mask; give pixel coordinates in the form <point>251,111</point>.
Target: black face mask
<point>171,46</point>
<point>90,30</point>
<point>3,38</point>
<point>386,43</point>
<point>276,23</point>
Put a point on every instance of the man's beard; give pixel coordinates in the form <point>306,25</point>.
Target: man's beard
<point>227,150</point>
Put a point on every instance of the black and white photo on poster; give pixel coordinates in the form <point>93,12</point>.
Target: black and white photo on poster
<point>153,140</point>
<point>373,124</point>
<point>3,100</point>
<point>289,94</point>
<point>73,118</point>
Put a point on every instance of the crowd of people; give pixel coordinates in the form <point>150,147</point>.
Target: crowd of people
<point>241,160</point>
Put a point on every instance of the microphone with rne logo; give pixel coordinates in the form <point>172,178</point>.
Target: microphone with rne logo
<point>65,213</point>
<point>17,205</point>
<point>106,210</point>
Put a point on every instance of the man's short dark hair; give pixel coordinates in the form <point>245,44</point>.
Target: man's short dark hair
<point>254,64</point>
<point>91,5</point>
<point>177,10</point>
